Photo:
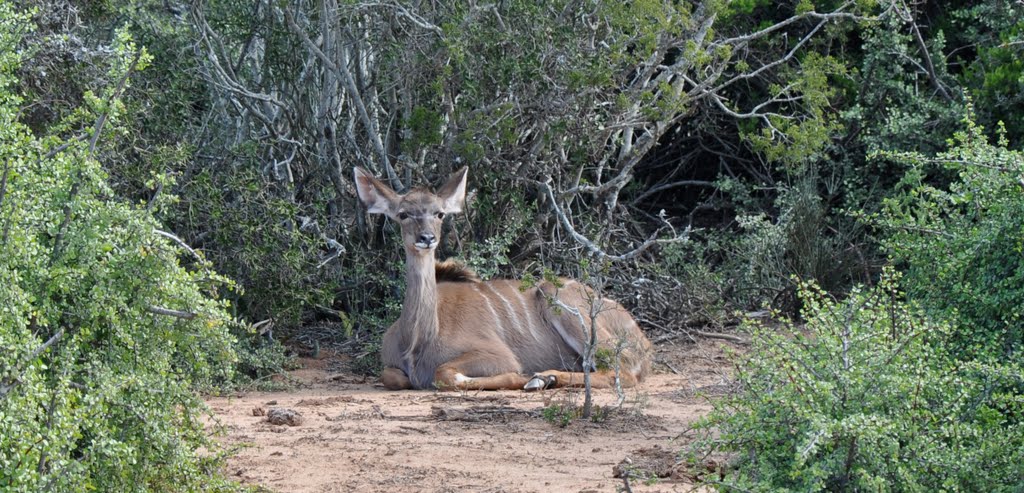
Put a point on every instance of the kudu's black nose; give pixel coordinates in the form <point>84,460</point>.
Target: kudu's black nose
<point>427,238</point>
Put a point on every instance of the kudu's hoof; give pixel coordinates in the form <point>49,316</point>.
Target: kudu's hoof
<point>540,382</point>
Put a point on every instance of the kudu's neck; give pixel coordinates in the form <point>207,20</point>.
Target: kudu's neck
<point>419,312</point>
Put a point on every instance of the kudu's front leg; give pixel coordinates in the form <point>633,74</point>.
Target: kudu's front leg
<point>600,379</point>
<point>455,374</point>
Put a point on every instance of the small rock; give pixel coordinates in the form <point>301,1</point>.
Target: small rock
<point>284,416</point>
<point>259,411</point>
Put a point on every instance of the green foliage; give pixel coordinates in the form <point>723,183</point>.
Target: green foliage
<point>560,415</point>
<point>252,232</point>
<point>802,239</point>
<point>888,108</point>
<point>963,243</point>
<point>859,398</point>
<point>796,141</point>
<point>104,328</point>
<point>373,315</point>
<point>425,129</point>
<point>995,74</point>
<point>759,259</point>
<point>489,256</point>
<point>257,360</point>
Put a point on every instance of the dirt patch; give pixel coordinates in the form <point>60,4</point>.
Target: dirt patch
<point>355,436</point>
<point>647,463</point>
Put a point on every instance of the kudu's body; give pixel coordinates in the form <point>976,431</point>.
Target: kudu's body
<point>458,332</point>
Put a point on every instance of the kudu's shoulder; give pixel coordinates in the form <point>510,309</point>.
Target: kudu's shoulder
<point>452,271</point>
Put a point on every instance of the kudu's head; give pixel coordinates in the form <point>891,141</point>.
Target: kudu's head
<point>419,212</point>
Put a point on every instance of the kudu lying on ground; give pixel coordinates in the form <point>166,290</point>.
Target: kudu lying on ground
<point>456,332</point>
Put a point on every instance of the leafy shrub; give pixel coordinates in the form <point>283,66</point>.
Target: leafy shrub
<point>802,240</point>
<point>103,329</point>
<point>860,399</point>
<point>259,359</point>
<point>250,231</point>
<point>962,243</point>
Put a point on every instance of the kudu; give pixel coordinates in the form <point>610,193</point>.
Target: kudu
<point>456,332</point>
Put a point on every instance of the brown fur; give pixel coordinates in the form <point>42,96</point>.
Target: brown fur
<point>452,271</point>
<point>490,335</point>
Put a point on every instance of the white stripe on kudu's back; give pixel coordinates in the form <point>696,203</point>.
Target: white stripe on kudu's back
<point>494,313</point>
<point>531,323</point>
<point>508,306</point>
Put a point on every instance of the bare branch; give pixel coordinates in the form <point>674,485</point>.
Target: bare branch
<point>3,193</point>
<point>49,342</point>
<point>342,69</point>
<point>591,246</point>
<point>226,80</point>
<point>63,147</point>
<point>179,241</point>
<point>929,66</point>
<point>410,16</point>
<point>156,310</point>
<point>679,183</point>
<point>635,151</point>
<point>749,75</point>
<point>827,16</point>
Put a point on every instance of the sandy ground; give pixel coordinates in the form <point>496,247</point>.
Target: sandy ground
<point>355,436</point>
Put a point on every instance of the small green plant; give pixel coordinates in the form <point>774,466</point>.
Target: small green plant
<point>489,256</point>
<point>561,415</point>
<point>600,414</point>
<point>367,362</point>
<point>259,359</point>
<point>605,358</point>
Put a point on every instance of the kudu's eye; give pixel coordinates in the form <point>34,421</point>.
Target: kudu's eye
<point>402,216</point>
<point>440,215</point>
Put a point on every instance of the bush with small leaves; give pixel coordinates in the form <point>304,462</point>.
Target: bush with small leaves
<point>962,241</point>
<point>106,321</point>
<point>859,398</point>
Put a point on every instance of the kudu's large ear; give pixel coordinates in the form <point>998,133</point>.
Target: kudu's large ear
<point>378,197</point>
<point>453,193</point>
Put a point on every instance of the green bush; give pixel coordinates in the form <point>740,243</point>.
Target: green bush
<point>797,236</point>
<point>252,233</point>
<point>103,328</point>
<point>859,399</point>
<point>962,243</point>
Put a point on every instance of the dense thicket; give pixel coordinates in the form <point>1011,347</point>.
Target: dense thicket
<point>696,159</point>
<point>742,127</point>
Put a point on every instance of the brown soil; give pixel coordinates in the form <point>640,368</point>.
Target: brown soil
<point>352,435</point>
